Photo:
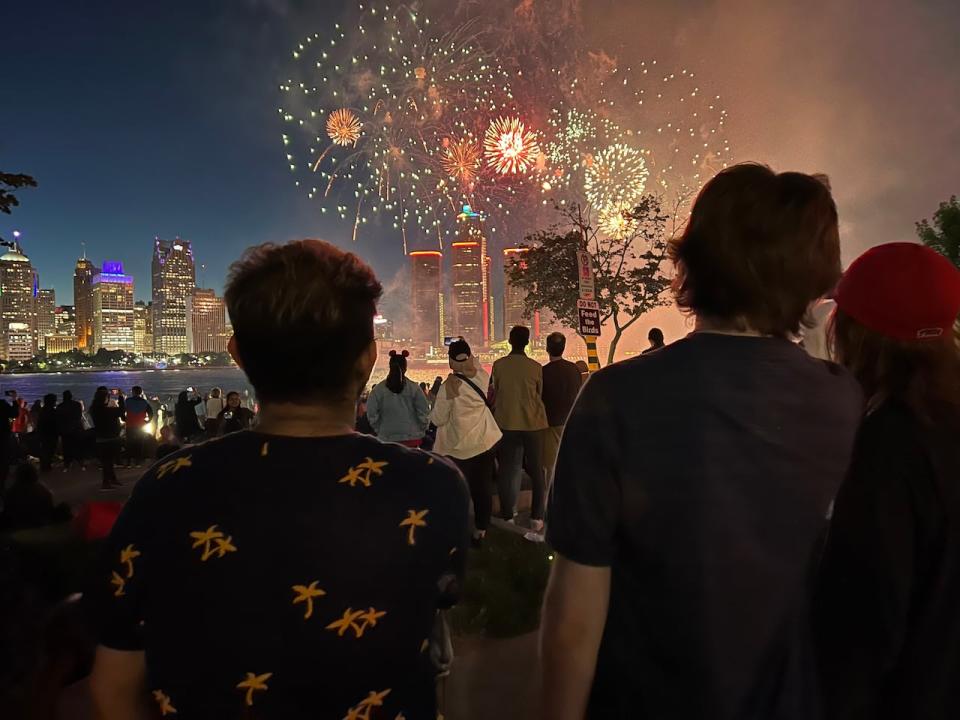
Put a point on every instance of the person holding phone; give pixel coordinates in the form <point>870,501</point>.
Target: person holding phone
<point>185,415</point>
<point>107,410</point>
<point>234,417</point>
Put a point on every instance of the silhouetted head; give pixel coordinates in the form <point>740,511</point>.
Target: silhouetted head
<point>396,377</point>
<point>519,337</point>
<point>556,344</point>
<point>655,336</point>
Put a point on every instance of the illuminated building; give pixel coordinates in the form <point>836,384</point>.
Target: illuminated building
<point>174,280</point>
<point>382,328</point>
<point>18,292</point>
<point>60,343</point>
<point>113,308</point>
<point>143,328</point>
<point>83,303</point>
<point>426,293</point>
<point>46,304</point>
<point>470,276</point>
<point>65,321</point>
<point>19,341</point>
<point>513,297</point>
<point>207,322</point>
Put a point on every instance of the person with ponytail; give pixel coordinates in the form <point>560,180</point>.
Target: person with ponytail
<point>397,409</point>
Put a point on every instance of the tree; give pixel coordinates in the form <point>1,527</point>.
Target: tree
<point>943,235</point>
<point>8,183</point>
<point>628,265</point>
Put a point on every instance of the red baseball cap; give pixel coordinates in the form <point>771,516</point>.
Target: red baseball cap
<point>902,290</point>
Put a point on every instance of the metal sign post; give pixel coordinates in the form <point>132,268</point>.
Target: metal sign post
<point>588,309</point>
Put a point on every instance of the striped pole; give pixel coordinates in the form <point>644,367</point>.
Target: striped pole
<point>593,359</point>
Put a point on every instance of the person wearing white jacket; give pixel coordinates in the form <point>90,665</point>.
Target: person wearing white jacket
<point>466,430</point>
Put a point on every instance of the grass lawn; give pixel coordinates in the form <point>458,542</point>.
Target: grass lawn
<point>505,583</point>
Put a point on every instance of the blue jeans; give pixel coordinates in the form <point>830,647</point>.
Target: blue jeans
<point>520,449</point>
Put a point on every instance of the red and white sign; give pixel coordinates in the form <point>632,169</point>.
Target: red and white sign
<point>585,275</point>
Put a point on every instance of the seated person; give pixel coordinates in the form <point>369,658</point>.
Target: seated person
<point>234,417</point>
<point>29,503</point>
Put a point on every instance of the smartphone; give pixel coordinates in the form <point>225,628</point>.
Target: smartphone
<point>228,415</point>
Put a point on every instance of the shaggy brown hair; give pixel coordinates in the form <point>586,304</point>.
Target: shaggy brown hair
<point>759,248</point>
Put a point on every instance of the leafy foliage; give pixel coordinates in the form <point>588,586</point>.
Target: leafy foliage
<point>943,235</point>
<point>8,183</point>
<point>629,266</point>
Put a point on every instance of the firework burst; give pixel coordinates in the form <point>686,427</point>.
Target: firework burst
<point>614,181</point>
<point>461,160</point>
<point>510,148</point>
<point>344,127</point>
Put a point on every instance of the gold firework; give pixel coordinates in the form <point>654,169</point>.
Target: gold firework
<point>343,127</point>
<point>509,147</point>
<point>461,159</point>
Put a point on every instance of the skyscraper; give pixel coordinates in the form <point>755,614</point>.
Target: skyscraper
<point>143,328</point>
<point>513,297</point>
<point>46,316</point>
<point>207,322</point>
<point>64,335</point>
<point>83,303</point>
<point>113,308</point>
<point>467,298</point>
<point>471,279</point>
<point>17,305</point>
<point>426,296</point>
<point>174,279</point>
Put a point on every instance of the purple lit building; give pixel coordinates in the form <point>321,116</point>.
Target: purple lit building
<point>113,308</point>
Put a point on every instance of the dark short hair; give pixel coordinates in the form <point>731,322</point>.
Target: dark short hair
<point>759,247</point>
<point>519,336</point>
<point>556,344</point>
<point>137,390</point>
<point>655,335</point>
<point>302,314</point>
<point>233,393</point>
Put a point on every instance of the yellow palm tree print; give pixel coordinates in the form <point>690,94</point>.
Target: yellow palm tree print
<point>210,537</point>
<point>163,700</point>
<point>363,472</point>
<point>367,619</point>
<point>253,683</point>
<point>117,580</point>
<point>127,556</point>
<point>306,594</point>
<point>363,709</point>
<point>173,466</point>
<point>413,521</point>
<point>224,545</point>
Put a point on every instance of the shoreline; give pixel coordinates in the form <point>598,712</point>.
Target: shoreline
<point>144,368</point>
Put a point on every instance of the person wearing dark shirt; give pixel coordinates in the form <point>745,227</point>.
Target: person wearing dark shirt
<point>107,411</point>
<point>8,412</point>
<point>238,581</point>
<point>887,608</point>
<point>655,337</point>
<point>29,503</point>
<point>685,536</point>
<point>70,428</point>
<point>234,417</point>
<point>185,416</point>
<point>47,430</point>
<point>139,415</point>
<point>561,385</point>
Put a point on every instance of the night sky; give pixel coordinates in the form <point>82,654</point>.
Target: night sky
<point>160,119</point>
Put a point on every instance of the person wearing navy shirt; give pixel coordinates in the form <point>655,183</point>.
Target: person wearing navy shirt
<point>685,536</point>
<point>294,571</point>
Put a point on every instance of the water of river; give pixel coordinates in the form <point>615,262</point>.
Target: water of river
<point>158,383</point>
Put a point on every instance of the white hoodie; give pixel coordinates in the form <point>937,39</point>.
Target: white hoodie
<point>465,425</point>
